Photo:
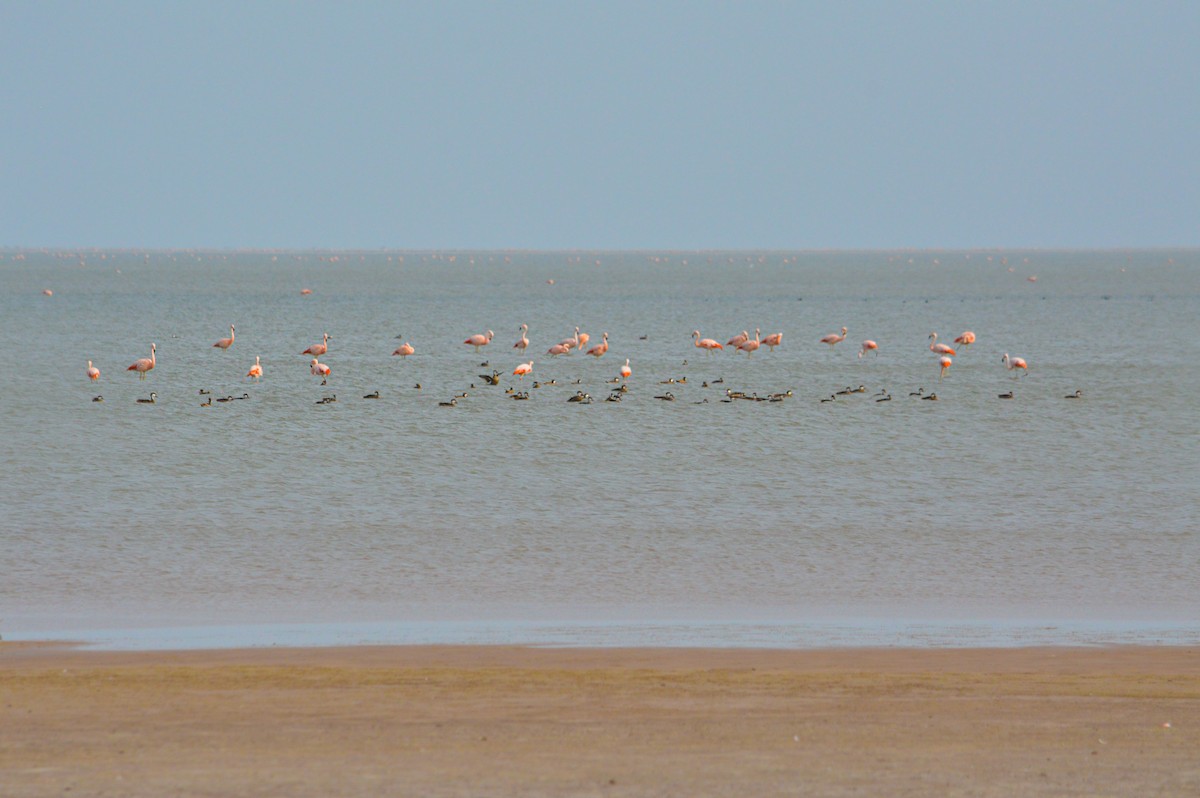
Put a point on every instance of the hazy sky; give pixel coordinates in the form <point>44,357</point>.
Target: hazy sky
<point>562,124</point>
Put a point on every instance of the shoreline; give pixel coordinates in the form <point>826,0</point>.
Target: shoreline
<point>513,720</point>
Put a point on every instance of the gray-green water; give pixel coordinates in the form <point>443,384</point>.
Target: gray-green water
<point>512,518</point>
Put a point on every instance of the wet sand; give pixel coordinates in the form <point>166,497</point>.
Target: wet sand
<point>505,721</point>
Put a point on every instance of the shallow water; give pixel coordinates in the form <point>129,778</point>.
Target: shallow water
<point>505,516</point>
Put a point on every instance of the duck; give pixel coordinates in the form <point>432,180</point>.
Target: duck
<point>578,397</point>
<point>845,391</point>
<point>613,397</point>
<point>371,395</point>
<point>97,398</point>
<point>918,392</point>
<point>1008,395</point>
<point>150,401</point>
<point>491,379</point>
<point>417,386</point>
<point>452,403</point>
<point>831,398</point>
<point>931,397</point>
<point>667,397</point>
<point>243,396</point>
<point>887,398</point>
<point>859,389</point>
<point>328,400</point>
<point>521,395</point>
<point>225,399</point>
<point>1077,395</point>
<point>207,402</point>
<point>719,381</point>
<point>205,392</point>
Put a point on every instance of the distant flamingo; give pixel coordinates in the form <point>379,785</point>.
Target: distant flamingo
<point>318,369</point>
<point>255,370</point>
<point>225,343</point>
<point>316,350</point>
<point>625,370</point>
<point>599,349</point>
<point>558,349</point>
<point>945,363</point>
<point>480,339</point>
<point>93,372</point>
<point>523,369</point>
<point>869,346</point>
<point>305,291</point>
<point>939,349</point>
<point>707,344</point>
<point>751,346</point>
<point>834,338</point>
<point>523,341</point>
<point>738,340</point>
<point>1011,363</point>
<point>773,340</point>
<point>404,350</point>
<point>144,364</point>
<point>583,340</point>
<point>572,342</point>
<point>966,339</point>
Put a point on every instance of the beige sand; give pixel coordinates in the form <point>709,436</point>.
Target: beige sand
<point>498,721</point>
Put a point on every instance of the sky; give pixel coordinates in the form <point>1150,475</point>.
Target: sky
<point>599,125</point>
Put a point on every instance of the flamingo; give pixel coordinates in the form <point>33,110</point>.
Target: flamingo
<point>625,370</point>
<point>572,342</point>
<point>945,363</point>
<point>523,369</point>
<point>773,340</point>
<point>869,346</point>
<point>225,343</point>
<point>316,350</point>
<point>480,339</point>
<point>751,346</point>
<point>707,344</point>
<point>834,338</point>
<point>939,349</point>
<point>599,349</point>
<point>738,340</point>
<point>255,370</point>
<point>558,349</point>
<point>318,369</point>
<point>523,341</point>
<point>93,372</point>
<point>404,350</point>
<point>1011,363</point>
<point>966,339</point>
<point>144,364</point>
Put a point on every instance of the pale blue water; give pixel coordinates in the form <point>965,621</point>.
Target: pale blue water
<point>969,520</point>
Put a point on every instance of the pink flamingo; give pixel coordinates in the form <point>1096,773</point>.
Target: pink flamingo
<point>751,346</point>
<point>834,338</point>
<point>738,340</point>
<point>773,340</point>
<point>583,340</point>
<point>144,364</point>
<point>625,370</point>
<point>523,369</point>
<point>318,369</point>
<point>939,349</point>
<point>966,339</point>
<point>404,350</point>
<point>305,291</point>
<point>572,342</point>
<point>480,339</point>
<point>599,349</point>
<point>316,350</point>
<point>523,341</point>
<point>558,349</point>
<point>225,343</point>
<point>868,346</point>
<point>255,370</point>
<point>1011,363</point>
<point>707,344</point>
<point>945,363</point>
<point>93,372</point>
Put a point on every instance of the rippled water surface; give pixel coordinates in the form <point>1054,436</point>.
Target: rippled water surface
<point>693,515</point>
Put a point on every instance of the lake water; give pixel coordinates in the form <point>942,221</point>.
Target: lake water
<point>971,520</point>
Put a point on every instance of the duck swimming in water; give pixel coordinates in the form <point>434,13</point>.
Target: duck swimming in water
<point>150,401</point>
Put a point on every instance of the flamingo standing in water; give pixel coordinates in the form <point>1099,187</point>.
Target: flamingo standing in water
<point>255,370</point>
<point>945,363</point>
<point>869,346</point>
<point>480,339</point>
<point>707,344</point>
<point>939,349</point>
<point>93,372</point>
<point>404,350</point>
<point>318,369</point>
<point>558,349</point>
<point>523,341</point>
<point>625,370</point>
<point>523,369</point>
<point>316,350</point>
<point>773,340</point>
<point>570,343</point>
<point>225,343</point>
<point>599,349</point>
<point>834,338</point>
<point>738,340</point>
<point>1011,363</point>
<point>144,364</point>
<point>751,346</point>
<point>583,340</point>
<point>966,339</point>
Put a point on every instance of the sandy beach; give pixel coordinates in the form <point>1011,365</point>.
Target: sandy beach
<point>506,721</point>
